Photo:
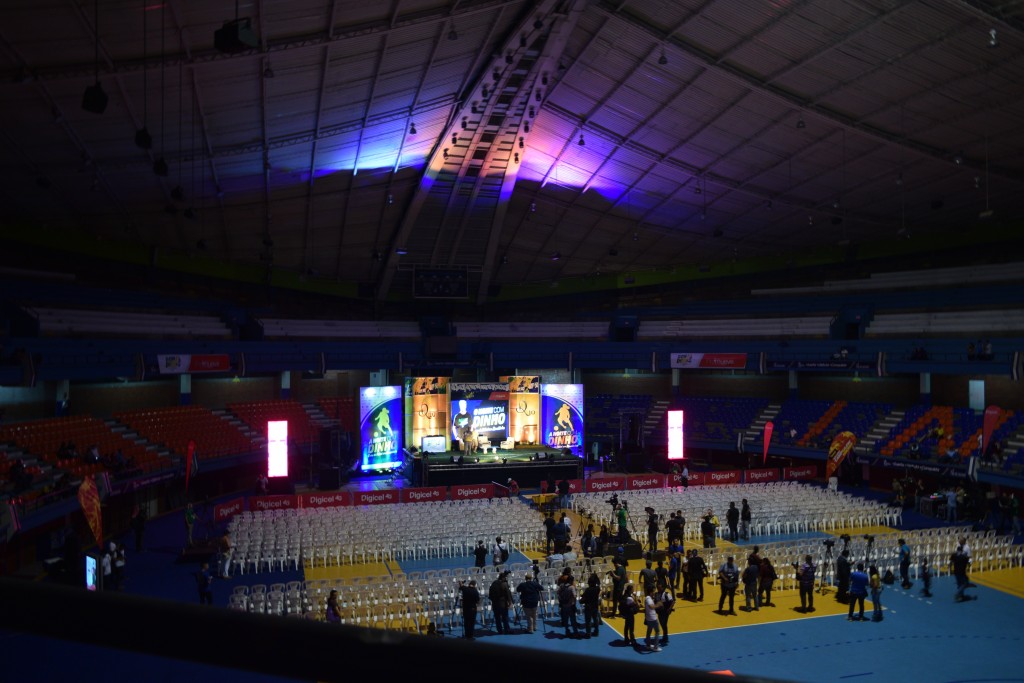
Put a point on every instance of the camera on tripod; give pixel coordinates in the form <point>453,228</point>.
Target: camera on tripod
<point>829,543</point>
<point>869,538</point>
<point>614,500</point>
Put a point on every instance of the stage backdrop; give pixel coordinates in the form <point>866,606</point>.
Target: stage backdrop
<point>562,413</point>
<point>485,404</point>
<point>426,410</point>
<point>524,408</point>
<point>380,426</point>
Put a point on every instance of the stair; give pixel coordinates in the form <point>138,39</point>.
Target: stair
<point>655,416</point>
<point>879,431</point>
<point>756,429</point>
<point>318,417</point>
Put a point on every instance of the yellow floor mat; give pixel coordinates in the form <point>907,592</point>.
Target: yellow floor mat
<point>1006,580</point>
<point>348,571</point>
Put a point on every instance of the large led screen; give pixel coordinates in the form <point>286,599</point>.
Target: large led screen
<point>676,449</point>
<point>562,413</point>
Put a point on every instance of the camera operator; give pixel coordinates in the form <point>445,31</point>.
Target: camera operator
<point>652,529</point>
<point>501,598</point>
<point>470,598</point>
<point>805,577</point>
<point>622,517</point>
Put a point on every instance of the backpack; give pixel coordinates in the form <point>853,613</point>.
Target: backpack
<point>565,596</point>
<point>888,579</point>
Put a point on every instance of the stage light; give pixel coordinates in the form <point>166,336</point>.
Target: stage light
<point>516,157</point>
<point>143,140</point>
<point>539,24</point>
<point>412,128</point>
<point>465,122</point>
<point>268,72</point>
<point>455,139</point>
<point>452,35</point>
<point>663,60</point>
<point>993,39</point>
<point>445,152</point>
<point>177,193</point>
<point>526,126</point>
<point>390,199</point>
<point>581,142</point>
<point>160,167</point>
<point>800,124</point>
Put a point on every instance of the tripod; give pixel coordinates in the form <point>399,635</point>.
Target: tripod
<point>826,563</point>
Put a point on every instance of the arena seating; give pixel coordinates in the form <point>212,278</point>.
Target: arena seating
<point>54,321</point>
<point>963,323</point>
<point>174,427</point>
<point>719,419</point>
<point>301,429</point>
<point>532,330</point>
<point>803,326</point>
<point>341,408</point>
<point>285,328</point>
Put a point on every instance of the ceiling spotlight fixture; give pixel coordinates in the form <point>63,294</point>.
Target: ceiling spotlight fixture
<point>544,78</point>
<point>536,95</point>
<point>538,23</point>
<point>993,40</point>
<point>521,142</point>
<point>160,167</point>
<point>401,251</point>
<point>504,260</point>
<point>581,142</point>
<point>268,72</point>
<point>977,182</point>
<point>532,111</point>
<point>526,126</point>
<point>663,60</point>
<point>533,207</point>
<point>465,122</point>
<point>508,57</point>
<point>557,256</point>
<point>496,75</point>
<point>800,123</point>
<point>958,158</point>
<point>484,92</point>
<point>412,128</point>
<point>810,220</point>
<point>635,237</point>
<point>391,199</point>
<point>473,108</point>
<point>376,255</point>
<point>516,157</point>
<point>696,189</point>
<point>452,35</point>
<point>522,40</point>
<point>455,139</point>
<point>445,152</point>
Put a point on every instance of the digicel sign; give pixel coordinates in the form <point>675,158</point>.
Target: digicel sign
<point>425,494</point>
<point>325,500</point>
<point>646,481</point>
<point>228,509</point>
<point>472,491</point>
<point>728,477</point>
<point>805,472</point>
<point>274,503</point>
<point>376,497</point>
<point>762,475</point>
<point>599,485</point>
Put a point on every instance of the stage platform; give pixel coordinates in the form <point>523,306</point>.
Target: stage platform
<point>523,465</point>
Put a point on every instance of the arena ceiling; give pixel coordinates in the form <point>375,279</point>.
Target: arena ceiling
<point>521,142</point>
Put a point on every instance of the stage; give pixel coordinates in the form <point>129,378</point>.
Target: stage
<point>523,465</point>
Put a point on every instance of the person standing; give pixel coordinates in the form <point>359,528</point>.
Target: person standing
<point>707,532</point>
<point>190,522</point>
<point>652,530</point>
<point>480,555</point>
<point>673,531</point>
<point>618,584</point>
<point>107,568</point>
<point>224,547</point>
<point>926,578</point>
<point>664,596</point>
<point>843,569</point>
<point>591,600</point>
<point>746,516</point>
<point>120,560</point>
<point>204,583</point>
<point>698,571</point>
<point>501,598</point>
<point>333,613</point>
<point>674,570</point>
<point>732,518</point>
<point>567,606</point>
<point>648,578</point>
<point>751,578</point>
<point>622,517</point>
<point>729,580</point>
<point>500,552</point>
<point>470,598</point>
<point>529,597</point>
<point>905,564</point>
<point>138,524</point>
<point>563,494</point>
<point>629,608</point>
<point>875,581</point>
<point>561,535</point>
<point>549,530</point>
<point>766,581</point>
<point>959,562</point>
<point>651,607</point>
<point>858,591</point>
<point>805,577</point>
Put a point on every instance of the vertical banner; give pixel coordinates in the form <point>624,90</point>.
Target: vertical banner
<point>675,435</point>
<point>380,427</point>
<point>992,415</point>
<point>769,427</point>
<point>89,498</point>
<point>480,410</point>
<point>426,409</point>
<point>837,452</point>
<point>562,413</point>
<point>523,408</point>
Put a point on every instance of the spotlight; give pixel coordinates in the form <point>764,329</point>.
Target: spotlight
<point>496,75</point>
<point>533,207</point>
<point>401,251</point>
<point>143,140</point>
<point>810,220</point>
<point>522,40</point>
<point>391,199</point>
<point>412,128</point>
<point>544,79</point>
<point>696,189</point>
<point>521,142</point>
<point>455,139</point>
<point>538,24</point>
<point>993,41</point>
<point>536,95</point>
<point>508,57</point>
<point>376,256</point>
<point>581,142</point>
<point>452,35</point>
<point>663,60</point>
<point>474,109</point>
<point>94,99</point>
<point>526,126</point>
<point>532,112</point>
<point>268,72</point>
<point>484,92</point>
<point>516,157</point>
<point>800,124</point>
<point>445,152</point>
<point>899,178</point>
<point>465,122</point>
<point>977,182</point>
<point>504,260</point>
<point>635,237</point>
<point>160,167</point>
<point>557,256</point>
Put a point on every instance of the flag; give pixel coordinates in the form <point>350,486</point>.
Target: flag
<point>992,415</point>
<point>769,427</point>
<point>191,463</point>
<point>837,452</point>
<point>89,498</point>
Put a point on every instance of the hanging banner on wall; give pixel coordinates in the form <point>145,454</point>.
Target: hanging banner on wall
<point>89,498</point>
<point>380,427</point>
<point>523,408</point>
<point>426,411</point>
<point>837,452</point>
<point>228,509</point>
<point>802,472</point>
<point>562,413</point>
<point>482,408</point>
<point>181,363</point>
<point>988,426</point>
<point>708,361</point>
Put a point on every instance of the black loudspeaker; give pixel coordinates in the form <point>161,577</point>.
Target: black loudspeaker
<point>330,478</point>
<point>633,550</point>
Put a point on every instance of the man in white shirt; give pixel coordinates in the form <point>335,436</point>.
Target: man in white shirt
<point>651,607</point>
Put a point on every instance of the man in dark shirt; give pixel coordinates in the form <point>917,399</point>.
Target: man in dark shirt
<point>648,577</point>
<point>697,569</point>
<point>707,532</point>
<point>203,583</point>
<point>618,583</point>
<point>480,553</point>
<point>652,530</point>
<point>549,529</point>
<point>732,518</point>
<point>746,517</point>
<point>563,494</point>
<point>729,580</point>
<point>674,528</point>
<point>529,597</point>
<point>470,598</point>
<point>501,599</point>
